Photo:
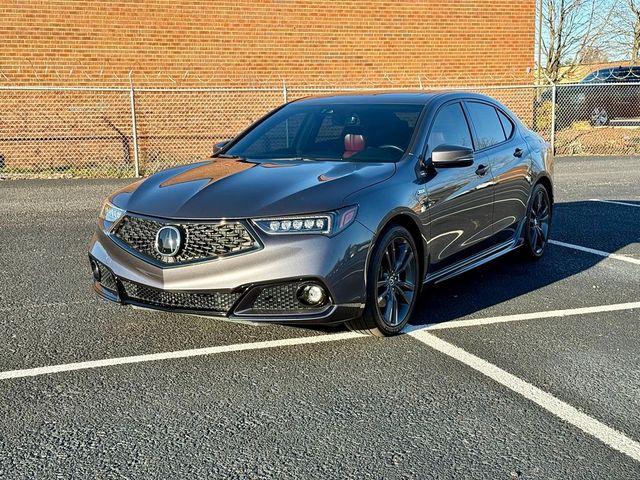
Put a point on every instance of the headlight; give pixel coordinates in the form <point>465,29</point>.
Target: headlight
<point>328,223</point>
<point>109,214</point>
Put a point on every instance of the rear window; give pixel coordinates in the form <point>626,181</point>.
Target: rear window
<point>487,124</point>
<point>507,124</point>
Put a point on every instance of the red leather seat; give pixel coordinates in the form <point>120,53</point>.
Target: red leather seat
<point>353,143</point>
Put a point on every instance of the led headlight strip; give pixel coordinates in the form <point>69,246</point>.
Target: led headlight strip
<point>323,223</point>
<point>302,224</point>
<point>109,214</point>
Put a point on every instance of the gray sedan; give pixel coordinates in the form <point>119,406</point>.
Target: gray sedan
<point>334,209</point>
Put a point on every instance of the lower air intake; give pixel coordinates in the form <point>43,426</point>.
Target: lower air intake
<point>220,302</point>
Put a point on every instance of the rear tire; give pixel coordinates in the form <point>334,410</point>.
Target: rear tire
<point>537,224</point>
<point>393,284</point>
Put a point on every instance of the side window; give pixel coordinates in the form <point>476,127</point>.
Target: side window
<point>450,127</point>
<point>507,124</point>
<point>487,124</point>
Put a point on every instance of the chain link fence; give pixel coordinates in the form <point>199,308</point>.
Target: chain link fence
<point>102,132</point>
<point>592,119</point>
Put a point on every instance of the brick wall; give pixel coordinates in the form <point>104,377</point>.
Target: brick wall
<point>260,42</point>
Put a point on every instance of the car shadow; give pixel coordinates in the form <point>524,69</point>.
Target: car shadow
<point>603,226</point>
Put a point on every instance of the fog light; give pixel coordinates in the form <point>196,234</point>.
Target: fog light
<point>313,295</point>
<point>95,270</point>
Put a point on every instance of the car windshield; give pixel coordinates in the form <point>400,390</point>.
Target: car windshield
<point>349,132</point>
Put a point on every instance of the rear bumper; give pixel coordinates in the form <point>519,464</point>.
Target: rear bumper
<point>232,287</point>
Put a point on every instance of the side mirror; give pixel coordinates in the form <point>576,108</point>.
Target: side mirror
<point>449,156</point>
<point>219,146</point>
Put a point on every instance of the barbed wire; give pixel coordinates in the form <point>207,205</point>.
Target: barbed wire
<point>88,132</point>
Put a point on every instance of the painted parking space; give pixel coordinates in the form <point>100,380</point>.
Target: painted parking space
<point>363,407</point>
<point>604,226</point>
<point>175,395</point>
<point>590,361</point>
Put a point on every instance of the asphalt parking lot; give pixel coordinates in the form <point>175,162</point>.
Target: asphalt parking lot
<point>510,371</point>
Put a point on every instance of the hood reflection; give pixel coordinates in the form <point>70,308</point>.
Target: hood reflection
<point>212,172</point>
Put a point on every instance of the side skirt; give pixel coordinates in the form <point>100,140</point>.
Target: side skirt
<point>473,262</point>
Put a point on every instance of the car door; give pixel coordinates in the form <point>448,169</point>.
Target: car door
<point>505,151</point>
<point>460,199</point>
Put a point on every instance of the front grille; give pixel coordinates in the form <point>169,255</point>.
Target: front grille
<point>216,302</point>
<point>200,241</point>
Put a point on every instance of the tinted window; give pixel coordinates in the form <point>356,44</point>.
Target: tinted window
<point>278,138</point>
<point>450,128</point>
<point>374,132</point>
<point>487,124</point>
<point>507,124</point>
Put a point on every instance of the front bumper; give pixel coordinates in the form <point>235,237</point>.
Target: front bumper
<point>258,286</point>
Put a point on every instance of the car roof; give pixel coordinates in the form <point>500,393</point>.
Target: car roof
<point>419,97</point>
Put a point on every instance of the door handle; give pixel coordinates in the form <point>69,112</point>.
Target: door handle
<point>482,170</point>
<point>518,153</point>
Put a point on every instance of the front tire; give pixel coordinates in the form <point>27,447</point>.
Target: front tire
<point>393,283</point>
<point>538,223</point>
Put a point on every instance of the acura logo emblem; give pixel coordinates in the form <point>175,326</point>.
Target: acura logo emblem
<point>168,241</point>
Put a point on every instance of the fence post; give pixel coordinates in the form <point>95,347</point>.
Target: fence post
<point>285,96</point>
<point>134,128</point>
<point>553,117</point>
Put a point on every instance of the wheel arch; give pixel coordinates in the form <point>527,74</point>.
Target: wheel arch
<point>546,182</point>
<point>409,221</point>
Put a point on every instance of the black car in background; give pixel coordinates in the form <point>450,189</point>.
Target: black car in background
<point>601,96</point>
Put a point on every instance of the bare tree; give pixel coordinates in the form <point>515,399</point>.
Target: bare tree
<point>591,55</point>
<point>625,30</point>
<point>570,30</point>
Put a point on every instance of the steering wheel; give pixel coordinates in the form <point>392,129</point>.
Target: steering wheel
<point>393,147</point>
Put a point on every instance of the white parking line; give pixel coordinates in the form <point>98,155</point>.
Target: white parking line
<point>613,256</point>
<point>474,322</point>
<point>196,352</point>
<point>566,412</point>
<point>615,202</point>
<point>238,347</point>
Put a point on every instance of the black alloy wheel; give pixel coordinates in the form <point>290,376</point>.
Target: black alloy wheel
<point>393,283</point>
<point>538,223</point>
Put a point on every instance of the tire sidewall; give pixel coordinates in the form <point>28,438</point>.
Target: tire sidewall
<point>527,233</point>
<point>371,309</point>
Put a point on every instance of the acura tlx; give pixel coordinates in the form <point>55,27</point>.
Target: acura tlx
<point>333,209</point>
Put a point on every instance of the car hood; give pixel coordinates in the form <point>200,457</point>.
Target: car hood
<point>230,188</point>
